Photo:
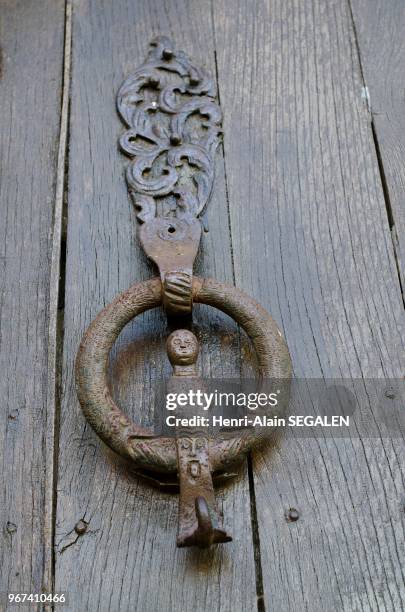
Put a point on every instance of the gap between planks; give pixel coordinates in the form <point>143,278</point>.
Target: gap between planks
<point>55,329</point>
<point>252,496</point>
<point>380,163</point>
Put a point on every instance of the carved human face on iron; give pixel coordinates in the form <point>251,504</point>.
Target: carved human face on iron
<point>182,347</point>
<point>169,200</point>
<point>194,445</point>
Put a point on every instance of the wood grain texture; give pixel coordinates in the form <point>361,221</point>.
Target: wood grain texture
<point>380,28</point>
<point>31,36</point>
<point>311,242</point>
<point>127,559</point>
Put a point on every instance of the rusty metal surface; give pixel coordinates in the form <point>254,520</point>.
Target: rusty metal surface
<point>108,420</point>
<point>168,105</point>
<point>195,456</point>
<point>200,523</point>
<point>172,244</point>
<point>173,121</point>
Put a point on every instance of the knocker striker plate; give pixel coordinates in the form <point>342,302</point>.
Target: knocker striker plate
<point>173,121</point>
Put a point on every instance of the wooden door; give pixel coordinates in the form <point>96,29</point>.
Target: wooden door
<point>306,216</point>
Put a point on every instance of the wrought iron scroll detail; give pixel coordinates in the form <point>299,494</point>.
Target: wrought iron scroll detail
<point>174,126</point>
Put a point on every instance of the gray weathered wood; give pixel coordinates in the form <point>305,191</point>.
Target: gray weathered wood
<point>310,239</point>
<point>311,242</point>
<point>380,28</point>
<point>55,316</point>
<point>127,559</point>
<point>30,96</point>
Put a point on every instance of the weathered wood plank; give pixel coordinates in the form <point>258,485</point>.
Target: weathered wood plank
<point>127,558</point>
<point>31,37</point>
<point>380,27</point>
<point>311,241</point>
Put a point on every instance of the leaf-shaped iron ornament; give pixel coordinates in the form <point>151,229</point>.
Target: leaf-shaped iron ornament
<point>173,129</point>
<point>174,126</point>
<point>169,106</point>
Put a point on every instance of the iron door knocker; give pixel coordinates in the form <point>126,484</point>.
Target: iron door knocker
<point>173,129</point>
